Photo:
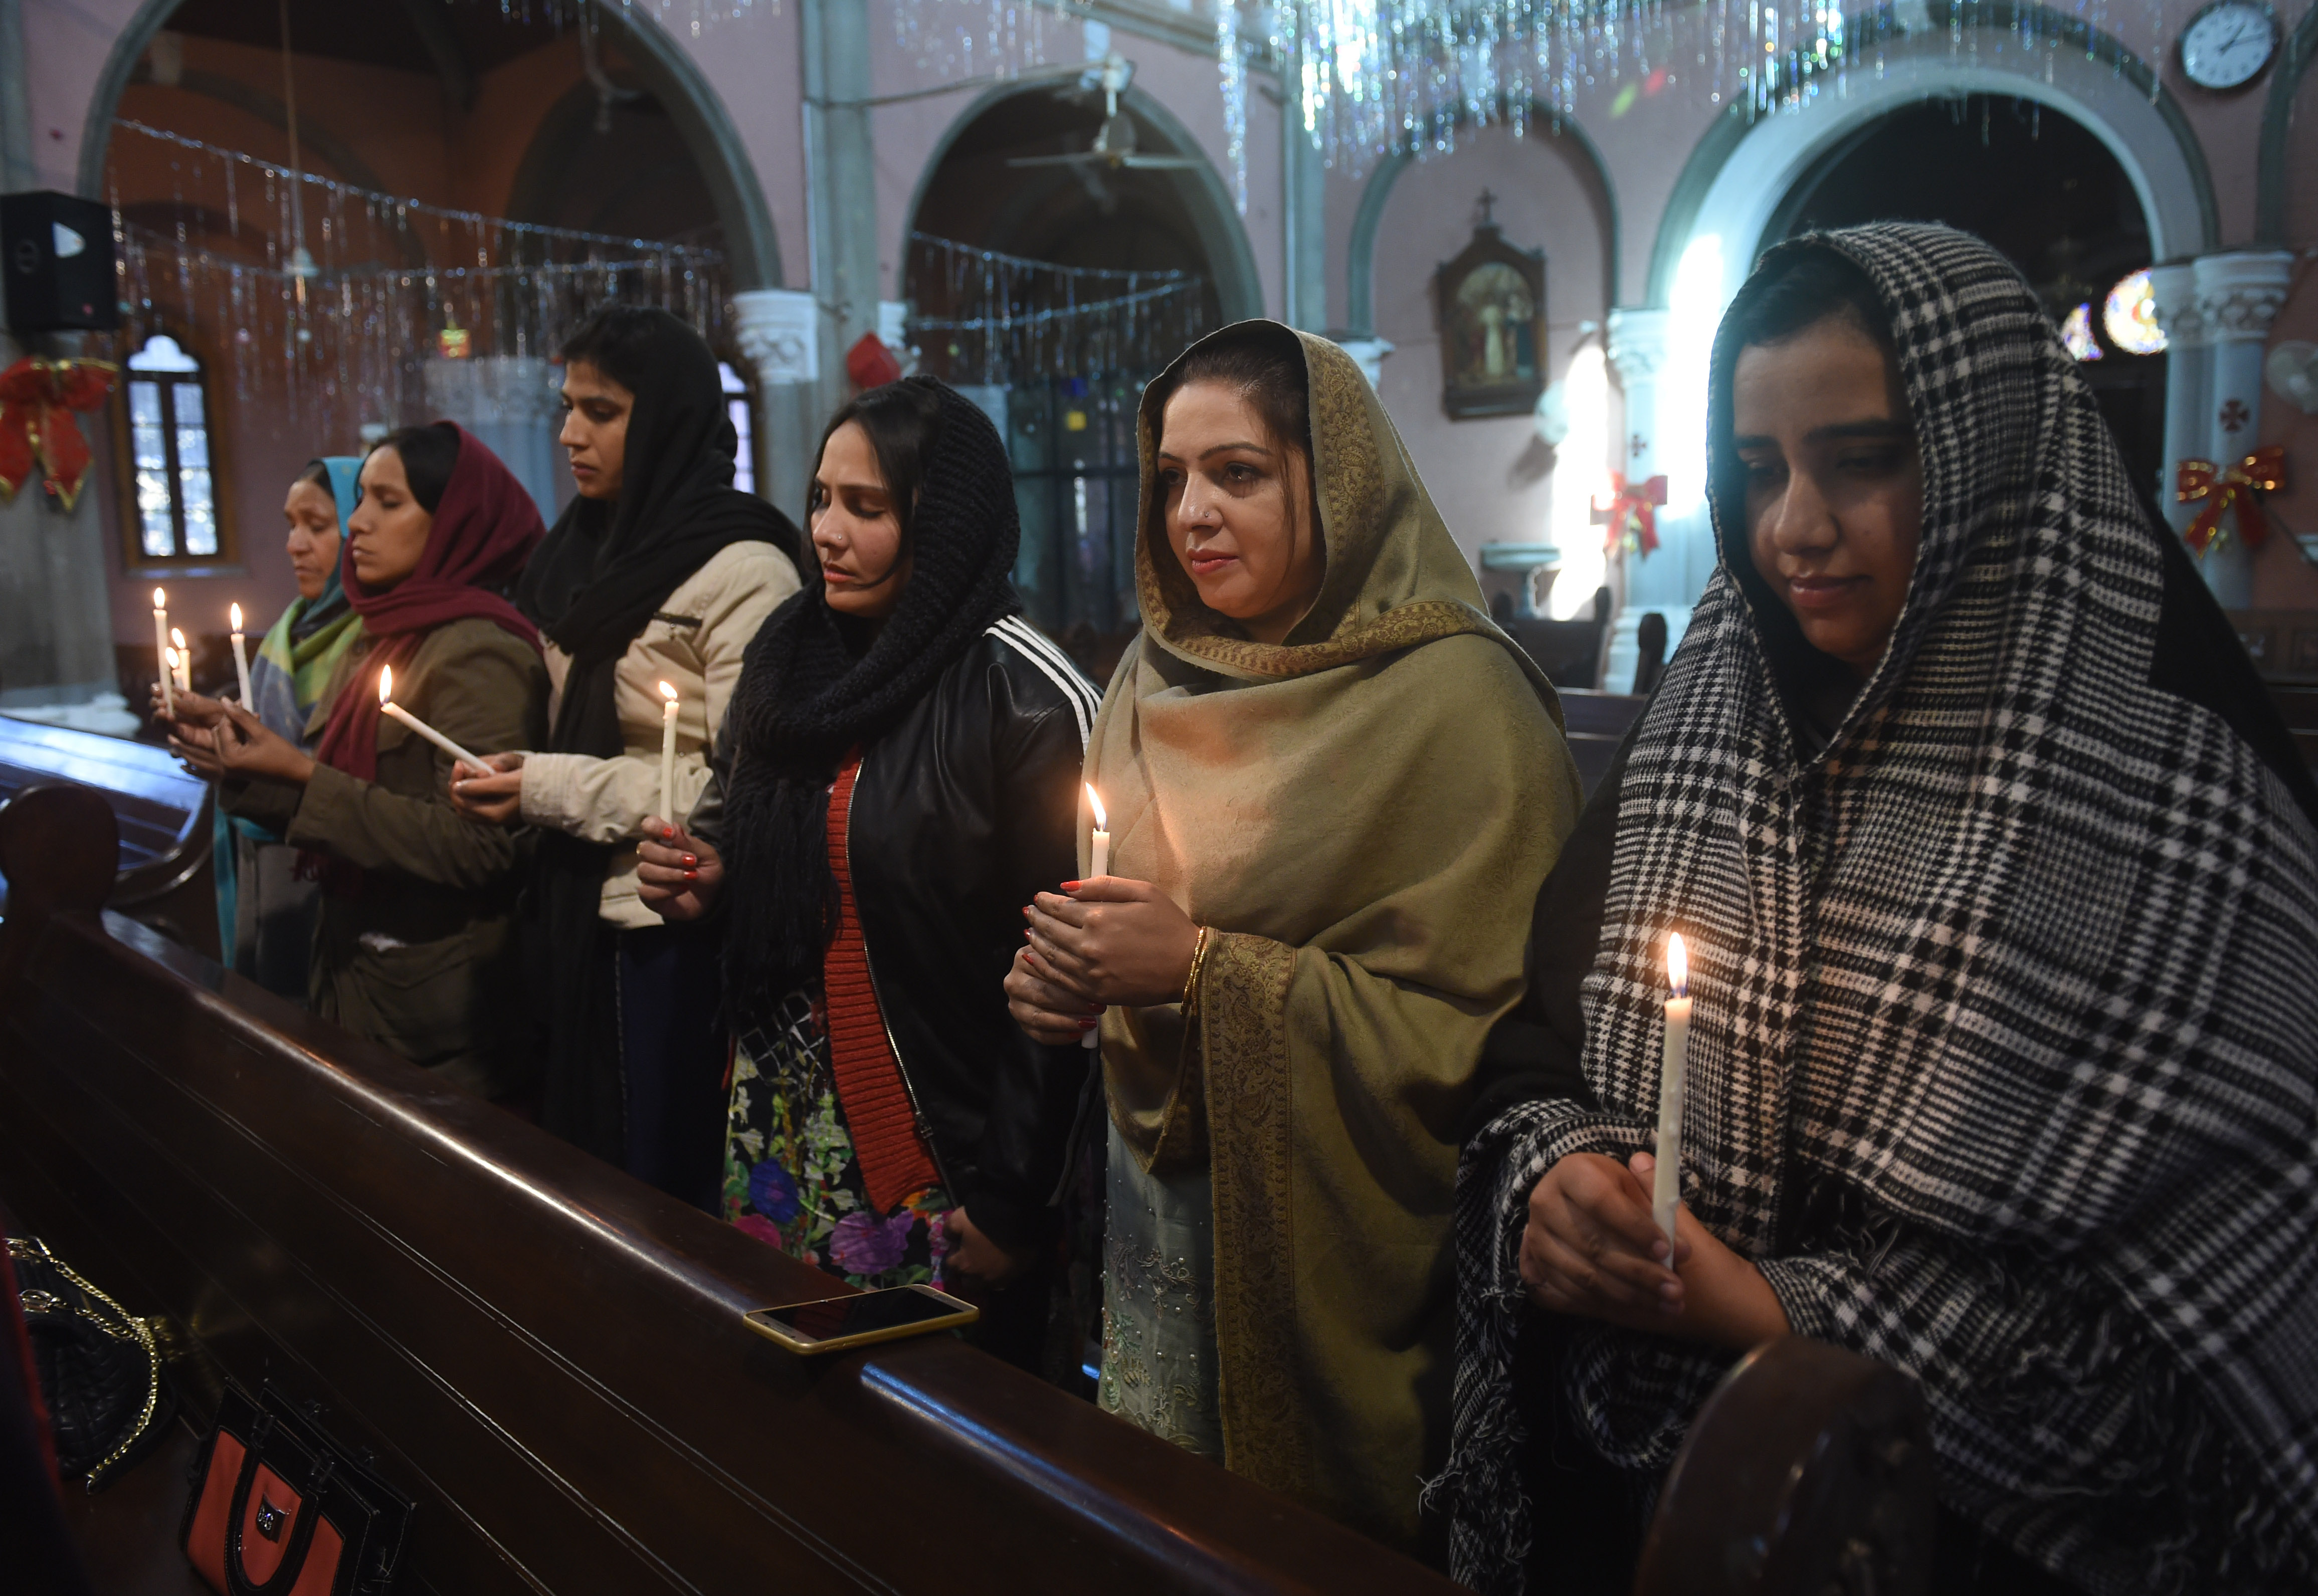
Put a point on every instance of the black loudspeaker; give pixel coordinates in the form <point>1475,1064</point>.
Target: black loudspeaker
<point>56,252</point>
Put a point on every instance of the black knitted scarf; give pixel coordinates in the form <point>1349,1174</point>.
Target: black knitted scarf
<point>817,685</point>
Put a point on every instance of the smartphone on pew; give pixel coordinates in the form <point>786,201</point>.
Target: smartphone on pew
<point>833,1323</point>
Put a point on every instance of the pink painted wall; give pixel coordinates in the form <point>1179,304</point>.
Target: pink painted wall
<point>1490,478</point>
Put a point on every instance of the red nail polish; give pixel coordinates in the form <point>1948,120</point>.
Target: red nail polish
<point>692,875</point>
<point>1073,886</point>
<point>690,860</point>
<point>668,833</point>
<point>1086,1024</point>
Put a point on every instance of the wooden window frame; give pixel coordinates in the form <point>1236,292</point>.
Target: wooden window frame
<point>136,563</point>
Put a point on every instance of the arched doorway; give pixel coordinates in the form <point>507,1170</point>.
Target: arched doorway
<point>1052,281</point>
<point>414,297</point>
<point>2041,188</point>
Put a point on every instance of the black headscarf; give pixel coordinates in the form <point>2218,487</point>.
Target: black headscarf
<point>605,569</point>
<point>818,684</point>
<point>601,574</point>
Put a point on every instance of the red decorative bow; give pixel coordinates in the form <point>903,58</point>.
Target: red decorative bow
<point>2223,487</point>
<point>37,399</point>
<point>1632,504</point>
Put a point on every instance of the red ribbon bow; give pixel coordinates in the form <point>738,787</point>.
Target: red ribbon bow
<point>37,399</point>
<point>2226,487</point>
<point>1631,504</point>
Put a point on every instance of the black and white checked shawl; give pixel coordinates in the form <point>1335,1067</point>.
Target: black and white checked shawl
<point>2023,968</point>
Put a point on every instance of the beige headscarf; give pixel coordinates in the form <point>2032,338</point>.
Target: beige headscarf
<point>1363,813</point>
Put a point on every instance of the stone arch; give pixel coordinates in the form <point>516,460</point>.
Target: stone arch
<point>1360,252</point>
<point>2276,118</point>
<point>662,67</point>
<point>1205,196</point>
<point>1742,169</point>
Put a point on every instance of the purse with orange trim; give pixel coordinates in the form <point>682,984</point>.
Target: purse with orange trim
<point>280,1509</point>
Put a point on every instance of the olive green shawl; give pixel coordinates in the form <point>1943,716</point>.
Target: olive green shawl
<point>1363,813</point>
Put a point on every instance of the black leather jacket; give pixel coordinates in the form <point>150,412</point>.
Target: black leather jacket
<point>960,812</point>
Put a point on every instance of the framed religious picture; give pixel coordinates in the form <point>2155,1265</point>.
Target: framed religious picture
<point>1490,306</point>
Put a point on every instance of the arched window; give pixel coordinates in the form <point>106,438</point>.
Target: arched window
<point>171,456</point>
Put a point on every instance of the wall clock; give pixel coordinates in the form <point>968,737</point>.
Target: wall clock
<point>2226,45</point>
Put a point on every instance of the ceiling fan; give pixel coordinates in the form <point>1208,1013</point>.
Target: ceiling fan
<point>1114,141</point>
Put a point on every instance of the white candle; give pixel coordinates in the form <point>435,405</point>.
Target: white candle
<point>668,754</point>
<point>161,652</point>
<point>1674,1071</point>
<point>240,656</point>
<point>185,660</point>
<point>1100,862</point>
<point>386,701</point>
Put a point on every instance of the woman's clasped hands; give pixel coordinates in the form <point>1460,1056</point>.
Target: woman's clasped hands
<point>1096,943</point>
<point>215,738</point>
<point>1592,1249</point>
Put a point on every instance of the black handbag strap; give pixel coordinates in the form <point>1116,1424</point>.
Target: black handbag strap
<point>302,1533</point>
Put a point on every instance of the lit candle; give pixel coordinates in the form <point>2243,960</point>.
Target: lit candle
<point>185,660</point>
<point>668,754</point>
<point>1101,863</point>
<point>386,701</point>
<point>161,652</point>
<point>171,669</point>
<point>1674,1070</point>
<point>240,656</point>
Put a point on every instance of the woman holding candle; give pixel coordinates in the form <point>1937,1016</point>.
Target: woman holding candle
<point>1322,765</point>
<point>266,911</point>
<point>416,938</point>
<point>1995,870</point>
<point>904,773</point>
<point>647,592</point>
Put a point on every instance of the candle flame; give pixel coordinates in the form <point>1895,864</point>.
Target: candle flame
<point>668,692</point>
<point>171,655</point>
<point>1677,966</point>
<point>235,611</point>
<point>160,600</point>
<point>1094,802</point>
<point>177,636</point>
<point>385,683</point>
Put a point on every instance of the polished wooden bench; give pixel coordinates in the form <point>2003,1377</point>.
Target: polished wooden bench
<point>164,876</point>
<point>550,1355</point>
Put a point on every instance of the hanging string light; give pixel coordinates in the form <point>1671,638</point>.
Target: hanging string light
<point>1005,318</point>
<point>344,338</point>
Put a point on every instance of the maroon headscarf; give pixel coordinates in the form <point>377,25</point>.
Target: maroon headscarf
<point>485,529</point>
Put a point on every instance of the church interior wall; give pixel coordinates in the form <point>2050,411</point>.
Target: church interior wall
<point>1494,485</point>
<point>1492,478</point>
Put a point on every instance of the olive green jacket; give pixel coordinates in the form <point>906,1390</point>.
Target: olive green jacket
<point>420,954</point>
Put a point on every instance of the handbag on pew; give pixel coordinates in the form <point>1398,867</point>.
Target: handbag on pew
<point>98,1366</point>
<point>278,1507</point>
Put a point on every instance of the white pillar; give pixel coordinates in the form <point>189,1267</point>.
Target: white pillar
<point>1637,349</point>
<point>779,330</point>
<point>1303,188</point>
<point>2188,379</point>
<point>2239,295</point>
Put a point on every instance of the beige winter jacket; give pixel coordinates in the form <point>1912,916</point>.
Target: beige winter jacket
<point>694,643</point>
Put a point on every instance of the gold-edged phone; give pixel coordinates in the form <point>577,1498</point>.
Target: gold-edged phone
<point>833,1323</point>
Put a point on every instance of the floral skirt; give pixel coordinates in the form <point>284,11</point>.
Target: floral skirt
<point>790,1175</point>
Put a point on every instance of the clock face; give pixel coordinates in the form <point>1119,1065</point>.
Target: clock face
<point>2228,44</point>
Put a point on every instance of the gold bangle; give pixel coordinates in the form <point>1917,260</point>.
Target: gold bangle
<point>1191,998</point>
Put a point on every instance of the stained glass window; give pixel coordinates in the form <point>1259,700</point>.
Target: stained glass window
<point>169,453</point>
<point>2077,333</point>
<point>2129,316</point>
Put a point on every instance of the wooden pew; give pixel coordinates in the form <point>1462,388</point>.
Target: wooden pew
<point>164,877</point>
<point>550,1356</point>
<point>546,1354</point>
